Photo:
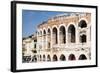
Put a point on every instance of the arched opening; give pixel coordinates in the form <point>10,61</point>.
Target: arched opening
<point>55,58</point>
<point>34,58</point>
<point>44,58</point>
<point>62,35</point>
<point>44,39</point>
<point>62,58</point>
<point>71,34</point>
<point>83,38</point>
<point>49,31</point>
<point>55,41</point>
<point>40,33</point>
<point>71,57</point>
<point>48,58</point>
<point>44,32</point>
<point>82,57</point>
<point>82,24</point>
<point>49,38</point>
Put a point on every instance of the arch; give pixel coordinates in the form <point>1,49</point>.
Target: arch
<point>40,33</point>
<point>82,24</point>
<point>62,57</point>
<point>48,58</point>
<point>82,57</point>
<point>49,31</point>
<point>71,57</point>
<point>55,58</point>
<point>83,38</point>
<point>44,57</point>
<point>71,34</point>
<point>48,38</point>
<point>55,38</point>
<point>44,32</point>
<point>62,34</point>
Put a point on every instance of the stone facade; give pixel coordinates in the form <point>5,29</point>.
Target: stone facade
<point>64,38</point>
<point>29,48</point>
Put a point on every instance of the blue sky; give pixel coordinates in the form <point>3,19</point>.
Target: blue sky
<point>32,18</point>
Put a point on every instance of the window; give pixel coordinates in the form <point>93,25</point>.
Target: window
<point>82,24</point>
<point>83,38</point>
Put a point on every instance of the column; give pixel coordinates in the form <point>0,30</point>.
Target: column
<point>88,35</point>
<point>42,40</point>
<point>77,35</point>
<point>58,33</point>
<point>38,46</point>
<point>38,41</point>
<point>46,40</point>
<point>66,36</point>
<point>51,38</point>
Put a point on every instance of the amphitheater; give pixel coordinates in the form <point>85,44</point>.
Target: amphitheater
<point>64,37</point>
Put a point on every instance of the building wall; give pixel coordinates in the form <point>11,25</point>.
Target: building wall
<point>29,49</point>
<point>66,48</point>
